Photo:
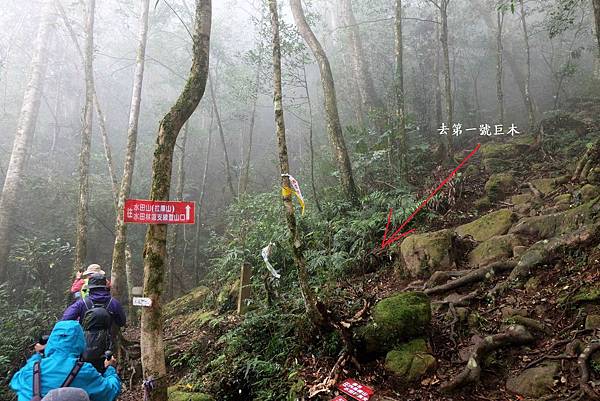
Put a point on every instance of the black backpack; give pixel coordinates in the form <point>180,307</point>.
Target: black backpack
<point>37,379</point>
<point>96,323</point>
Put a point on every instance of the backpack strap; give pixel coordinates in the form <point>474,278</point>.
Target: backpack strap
<point>89,304</point>
<point>72,374</point>
<point>37,382</point>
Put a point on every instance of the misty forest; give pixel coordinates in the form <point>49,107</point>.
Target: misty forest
<point>300,200</point>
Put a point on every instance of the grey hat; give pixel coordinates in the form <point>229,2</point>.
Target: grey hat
<point>96,281</point>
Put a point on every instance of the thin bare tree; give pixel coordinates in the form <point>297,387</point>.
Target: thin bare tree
<point>334,127</point>
<point>28,116</point>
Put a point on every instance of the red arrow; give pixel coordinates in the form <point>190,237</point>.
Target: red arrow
<point>397,236</point>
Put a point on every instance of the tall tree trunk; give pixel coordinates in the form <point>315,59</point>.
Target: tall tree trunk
<point>334,128</point>
<point>246,166</point>
<point>438,87</point>
<point>596,6</point>
<point>310,140</point>
<point>86,141</point>
<point>499,69</point>
<point>310,299</point>
<point>368,95</point>
<point>447,77</point>
<point>528,101</point>
<point>107,152</point>
<point>119,281</point>
<point>222,136</point>
<point>153,352</point>
<point>24,135</point>
<point>200,205</point>
<point>515,70</point>
<point>399,86</point>
<point>173,240</point>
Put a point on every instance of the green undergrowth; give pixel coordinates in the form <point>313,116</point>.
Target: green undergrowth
<point>260,358</point>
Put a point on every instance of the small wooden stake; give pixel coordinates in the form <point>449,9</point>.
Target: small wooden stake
<point>245,289</point>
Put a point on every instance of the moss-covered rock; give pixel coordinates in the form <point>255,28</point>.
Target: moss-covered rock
<point>589,192</point>
<point>188,303</point>
<point>496,165</point>
<point>485,227</point>
<point>180,393</point>
<point>545,185</point>
<point>534,382</point>
<point>551,225</point>
<point>521,199</point>
<point>399,318</point>
<point>563,199</point>
<point>494,249</point>
<point>482,203</point>
<point>497,150</point>
<point>410,361</point>
<point>499,186</point>
<point>592,322</point>
<point>199,318</point>
<point>423,254</point>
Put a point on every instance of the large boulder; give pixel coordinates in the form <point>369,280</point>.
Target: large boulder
<point>499,186</point>
<point>399,318</point>
<point>494,249</point>
<point>551,225</point>
<point>410,361</point>
<point>589,192</point>
<point>534,382</point>
<point>424,254</point>
<point>485,227</point>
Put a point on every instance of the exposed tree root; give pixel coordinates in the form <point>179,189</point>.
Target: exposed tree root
<point>587,161</point>
<point>474,276</point>
<point>514,335</point>
<point>584,370</point>
<point>530,323</point>
<point>331,379</point>
<point>462,301</point>
<point>545,251</point>
<point>537,194</point>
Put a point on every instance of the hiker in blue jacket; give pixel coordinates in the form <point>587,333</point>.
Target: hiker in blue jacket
<point>62,352</point>
<point>97,313</point>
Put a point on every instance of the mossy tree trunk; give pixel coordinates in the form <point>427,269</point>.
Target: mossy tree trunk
<point>86,141</point>
<point>24,135</point>
<point>155,246</point>
<point>310,299</point>
<point>334,127</point>
<point>120,283</point>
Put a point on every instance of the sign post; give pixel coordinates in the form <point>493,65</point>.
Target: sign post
<point>142,211</point>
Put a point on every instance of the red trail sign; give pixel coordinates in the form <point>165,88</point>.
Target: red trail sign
<point>158,212</point>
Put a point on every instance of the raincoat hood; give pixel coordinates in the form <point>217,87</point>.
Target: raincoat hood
<point>66,338</point>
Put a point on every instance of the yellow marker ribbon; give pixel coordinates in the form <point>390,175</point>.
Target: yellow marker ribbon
<point>287,191</point>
